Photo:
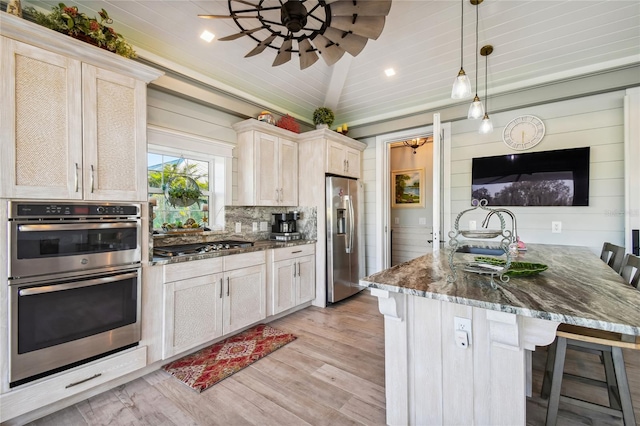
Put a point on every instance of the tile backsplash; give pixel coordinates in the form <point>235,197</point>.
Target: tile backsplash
<point>246,216</point>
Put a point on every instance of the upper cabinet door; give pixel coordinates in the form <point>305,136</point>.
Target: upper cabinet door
<point>41,150</point>
<point>267,169</point>
<point>343,160</point>
<point>70,130</point>
<point>114,111</point>
<point>267,172</point>
<point>288,160</point>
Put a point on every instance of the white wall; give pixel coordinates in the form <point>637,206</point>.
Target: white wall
<point>595,121</point>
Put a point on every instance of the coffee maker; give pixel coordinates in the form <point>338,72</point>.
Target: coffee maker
<point>284,226</point>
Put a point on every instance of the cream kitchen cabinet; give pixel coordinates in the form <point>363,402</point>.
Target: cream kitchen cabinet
<point>343,160</point>
<point>208,298</point>
<point>293,277</point>
<point>74,118</point>
<point>267,165</point>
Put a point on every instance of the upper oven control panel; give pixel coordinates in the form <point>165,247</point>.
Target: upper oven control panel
<point>43,210</point>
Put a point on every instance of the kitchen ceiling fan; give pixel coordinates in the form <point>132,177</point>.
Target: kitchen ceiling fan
<point>307,27</point>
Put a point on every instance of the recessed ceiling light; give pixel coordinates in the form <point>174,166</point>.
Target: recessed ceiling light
<point>207,36</point>
<point>390,72</point>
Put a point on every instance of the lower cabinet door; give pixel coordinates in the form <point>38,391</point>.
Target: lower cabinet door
<point>284,285</point>
<point>193,313</point>
<point>306,279</point>
<point>245,300</point>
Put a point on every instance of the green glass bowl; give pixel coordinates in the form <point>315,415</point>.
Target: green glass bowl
<point>516,269</point>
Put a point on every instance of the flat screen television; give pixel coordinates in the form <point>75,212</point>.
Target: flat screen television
<point>548,178</point>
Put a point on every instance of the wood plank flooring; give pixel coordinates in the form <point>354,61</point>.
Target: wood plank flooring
<point>333,374</point>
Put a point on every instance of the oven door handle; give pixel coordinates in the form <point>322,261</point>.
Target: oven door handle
<point>75,226</point>
<point>59,287</point>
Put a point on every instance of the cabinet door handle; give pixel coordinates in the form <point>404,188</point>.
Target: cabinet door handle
<point>227,286</point>
<point>347,165</point>
<point>92,178</point>
<point>344,165</point>
<point>298,268</point>
<point>294,270</point>
<point>221,287</point>
<point>75,181</point>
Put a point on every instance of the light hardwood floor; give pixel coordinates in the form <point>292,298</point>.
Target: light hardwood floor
<point>333,374</point>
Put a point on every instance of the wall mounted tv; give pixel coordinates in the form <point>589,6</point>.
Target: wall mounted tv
<point>548,178</point>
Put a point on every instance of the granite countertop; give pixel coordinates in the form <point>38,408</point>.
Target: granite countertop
<point>257,246</point>
<point>578,288</point>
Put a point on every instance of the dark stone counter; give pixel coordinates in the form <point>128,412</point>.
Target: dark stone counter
<point>578,288</point>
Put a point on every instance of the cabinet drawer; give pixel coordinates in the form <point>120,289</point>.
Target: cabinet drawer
<point>64,385</point>
<point>292,252</point>
<point>237,261</point>
<point>192,269</point>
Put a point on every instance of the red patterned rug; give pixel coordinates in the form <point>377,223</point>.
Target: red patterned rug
<point>208,366</point>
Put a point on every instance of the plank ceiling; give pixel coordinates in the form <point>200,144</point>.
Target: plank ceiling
<point>534,42</point>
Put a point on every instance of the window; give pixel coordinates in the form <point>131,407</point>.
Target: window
<point>179,160</point>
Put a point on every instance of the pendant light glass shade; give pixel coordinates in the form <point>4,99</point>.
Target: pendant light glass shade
<point>486,126</point>
<point>462,85</point>
<point>476,109</point>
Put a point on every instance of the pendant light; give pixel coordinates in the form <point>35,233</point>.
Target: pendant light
<point>476,109</point>
<point>486,126</point>
<point>461,86</point>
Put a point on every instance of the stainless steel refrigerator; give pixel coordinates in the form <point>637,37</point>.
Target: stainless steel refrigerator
<point>345,249</point>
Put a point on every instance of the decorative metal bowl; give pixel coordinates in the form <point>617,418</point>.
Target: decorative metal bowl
<point>481,233</point>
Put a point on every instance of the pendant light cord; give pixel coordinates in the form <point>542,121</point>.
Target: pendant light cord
<point>486,99</point>
<point>461,31</point>
<point>477,6</point>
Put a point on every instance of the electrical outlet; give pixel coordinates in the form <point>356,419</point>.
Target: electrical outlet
<point>396,220</point>
<point>263,226</point>
<point>238,227</point>
<point>462,325</point>
<point>472,225</point>
<point>422,221</point>
<point>255,226</point>
<point>556,227</point>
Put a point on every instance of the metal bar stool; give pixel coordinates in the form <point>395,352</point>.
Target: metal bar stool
<point>610,344</point>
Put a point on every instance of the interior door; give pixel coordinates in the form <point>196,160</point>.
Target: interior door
<point>440,181</point>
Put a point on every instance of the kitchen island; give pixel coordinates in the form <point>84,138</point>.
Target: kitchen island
<point>484,379</point>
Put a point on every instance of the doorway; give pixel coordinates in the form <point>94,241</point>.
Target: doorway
<point>408,231</point>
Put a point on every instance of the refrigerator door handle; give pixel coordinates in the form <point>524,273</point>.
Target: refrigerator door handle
<point>349,237</point>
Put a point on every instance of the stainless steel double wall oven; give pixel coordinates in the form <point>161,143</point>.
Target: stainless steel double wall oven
<point>74,284</point>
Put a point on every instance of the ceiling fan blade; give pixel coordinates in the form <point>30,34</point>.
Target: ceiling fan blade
<point>331,52</point>
<point>226,17</point>
<point>247,3</point>
<point>262,45</point>
<point>365,26</point>
<point>361,8</point>
<point>240,34</point>
<point>352,43</point>
<point>284,53</point>
<point>308,56</point>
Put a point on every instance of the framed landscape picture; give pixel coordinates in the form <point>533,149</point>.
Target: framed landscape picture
<point>408,188</point>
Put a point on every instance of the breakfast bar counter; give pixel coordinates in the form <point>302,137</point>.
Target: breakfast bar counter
<point>484,378</point>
